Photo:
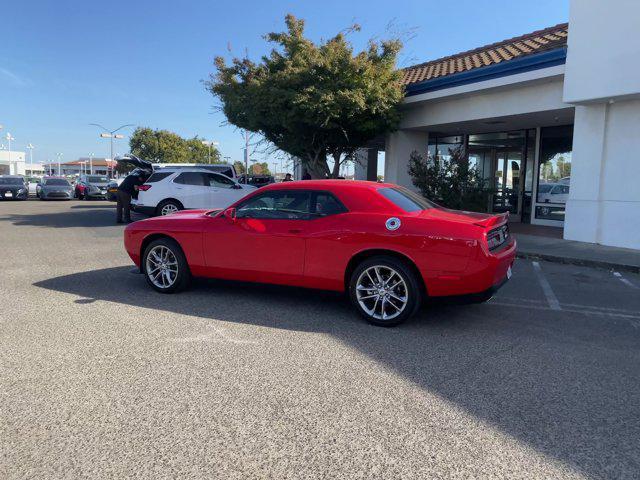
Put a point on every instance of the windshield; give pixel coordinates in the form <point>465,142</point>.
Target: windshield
<point>11,181</point>
<point>406,199</point>
<point>57,182</point>
<point>96,179</point>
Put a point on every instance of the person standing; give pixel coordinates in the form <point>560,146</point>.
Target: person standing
<point>287,178</point>
<point>127,189</point>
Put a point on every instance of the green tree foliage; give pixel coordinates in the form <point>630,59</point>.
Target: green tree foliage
<point>260,168</point>
<point>313,101</point>
<point>163,146</point>
<point>238,167</point>
<point>451,182</point>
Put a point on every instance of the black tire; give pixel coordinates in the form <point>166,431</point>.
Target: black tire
<point>168,203</point>
<point>183,272</point>
<point>414,291</point>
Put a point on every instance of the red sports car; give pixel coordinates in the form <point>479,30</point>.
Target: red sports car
<point>388,247</point>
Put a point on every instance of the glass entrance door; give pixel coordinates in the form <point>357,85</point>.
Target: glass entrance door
<point>508,178</point>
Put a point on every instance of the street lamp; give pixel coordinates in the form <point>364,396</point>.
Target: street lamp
<point>9,139</point>
<point>59,155</point>
<point>208,144</point>
<point>31,147</point>
<point>111,134</point>
<point>91,164</point>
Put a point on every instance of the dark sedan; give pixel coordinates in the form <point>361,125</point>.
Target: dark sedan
<point>12,187</point>
<point>55,188</point>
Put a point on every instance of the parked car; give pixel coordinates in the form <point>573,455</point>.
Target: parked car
<point>256,180</point>
<point>55,188</point>
<point>12,187</point>
<point>168,190</point>
<point>386,246</point>
<point>91,186</point>
<point>112,188</point>
<point>553,193</point>
<point>225,169</point>
<point>32,184</point>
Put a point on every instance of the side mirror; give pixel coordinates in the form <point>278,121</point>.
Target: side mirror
<point>230,213</point>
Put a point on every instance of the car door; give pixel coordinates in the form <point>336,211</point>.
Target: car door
<point>191,189</point>
<point>264,242</point>
<point>223,191</point>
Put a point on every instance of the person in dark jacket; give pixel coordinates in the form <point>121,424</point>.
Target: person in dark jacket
<point>287,178</point>
<point>127,189</point>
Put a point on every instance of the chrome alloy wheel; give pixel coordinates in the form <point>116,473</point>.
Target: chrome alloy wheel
<point>381,292</point>
<point>162,266</point>
<point>168,209</point>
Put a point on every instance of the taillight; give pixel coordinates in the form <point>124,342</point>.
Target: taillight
<point>144,188</point>
<point>497,237</point>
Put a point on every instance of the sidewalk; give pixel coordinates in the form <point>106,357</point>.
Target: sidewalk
<point>553,249</point>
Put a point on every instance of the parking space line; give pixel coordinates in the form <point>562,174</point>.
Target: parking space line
<point>552,300</point>
<point>619,276</point>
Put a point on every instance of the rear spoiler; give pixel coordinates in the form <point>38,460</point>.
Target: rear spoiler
<point>493,220</point>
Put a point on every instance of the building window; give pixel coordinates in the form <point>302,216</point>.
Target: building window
<point>554,172</point>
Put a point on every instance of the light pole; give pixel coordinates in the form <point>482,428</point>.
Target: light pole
<point>91,164</point>
<point>111,134</point>
<point>9,138</point>
<point>59,155</point>
<point>31,147</point>
<point>208,144</point>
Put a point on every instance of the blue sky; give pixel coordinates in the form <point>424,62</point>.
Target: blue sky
<point>66,64</point>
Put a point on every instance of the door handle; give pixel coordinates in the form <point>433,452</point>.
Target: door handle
<point>295,230</point>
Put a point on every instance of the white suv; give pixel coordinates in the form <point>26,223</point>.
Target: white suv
<point>171,189</point>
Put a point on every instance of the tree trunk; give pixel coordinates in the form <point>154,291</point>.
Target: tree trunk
<point>317,166</point>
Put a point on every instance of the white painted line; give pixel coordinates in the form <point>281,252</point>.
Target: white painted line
<point>552,300</point>
<point>619,276</point>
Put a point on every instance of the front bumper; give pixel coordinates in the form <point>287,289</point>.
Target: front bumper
<point>10,194</point>
<point>56,195</point>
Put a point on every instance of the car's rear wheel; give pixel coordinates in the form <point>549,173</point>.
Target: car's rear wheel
<point>165,266</point>
<point>385,290</point>
<point>167,207</point>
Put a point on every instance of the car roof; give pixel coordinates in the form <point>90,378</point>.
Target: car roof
<point>330,184</point>
<point>183,170</point>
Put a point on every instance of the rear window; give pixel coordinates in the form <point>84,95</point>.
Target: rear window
<point>156,177</point>
<point>406,199</point>
<point>96,179</point>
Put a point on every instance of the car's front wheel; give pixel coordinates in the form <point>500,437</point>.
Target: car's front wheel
<point>167,207</point>
<point>165,266</point>
<point>385,290</point>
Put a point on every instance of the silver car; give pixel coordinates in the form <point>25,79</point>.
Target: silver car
<point>55,188</point>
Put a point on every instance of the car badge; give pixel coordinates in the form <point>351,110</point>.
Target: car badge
<point>393,223</point>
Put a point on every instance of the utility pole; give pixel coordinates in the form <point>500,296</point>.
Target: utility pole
<point>9,138</point>
<point>59,155</point>
<point>91,164</point>
<point>31,147</point>
<point>111,134</point>
<point>246,156</point>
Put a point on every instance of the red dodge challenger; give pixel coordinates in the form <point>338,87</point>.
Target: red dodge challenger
<point>388,247</point>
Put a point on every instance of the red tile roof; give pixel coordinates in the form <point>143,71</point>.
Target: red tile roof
<point>518,47</point>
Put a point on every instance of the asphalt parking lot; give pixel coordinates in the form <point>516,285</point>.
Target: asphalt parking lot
<point>100,377</point>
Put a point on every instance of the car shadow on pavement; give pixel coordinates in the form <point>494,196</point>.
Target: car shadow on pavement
<point>93,216</point>
<point>536,379</point>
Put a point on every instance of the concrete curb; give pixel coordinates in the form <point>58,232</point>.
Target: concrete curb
<point>579,261</point>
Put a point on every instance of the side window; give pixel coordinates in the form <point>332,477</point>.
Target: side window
<point>156,177</point>
<point>286,205</point>
<point>220,181</point>
<point>325,204</point>
<point>192,178</point>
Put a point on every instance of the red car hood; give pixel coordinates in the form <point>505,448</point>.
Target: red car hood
<point>470,218</point>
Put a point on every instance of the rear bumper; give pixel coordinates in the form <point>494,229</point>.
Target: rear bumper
<point>143,209</point>
<point>485,273</point>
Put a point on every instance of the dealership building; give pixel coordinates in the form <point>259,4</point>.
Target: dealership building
<point>551,120</point>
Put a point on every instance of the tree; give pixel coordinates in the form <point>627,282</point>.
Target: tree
<point>162,146</point>
<point>313,101</point>
<point>451,182</point>
<point>260,169</point>
<point>238,167</point>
